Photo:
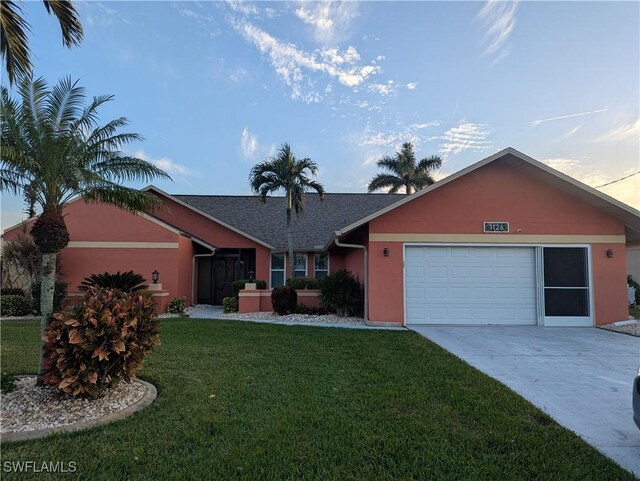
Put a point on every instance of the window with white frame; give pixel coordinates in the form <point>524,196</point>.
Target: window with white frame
<point>277,270</point>
<point>299,265</point>
<point>320,265</point>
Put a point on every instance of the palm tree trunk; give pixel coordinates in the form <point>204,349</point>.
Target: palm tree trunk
<point>290,243</point>
<point>47,288</point>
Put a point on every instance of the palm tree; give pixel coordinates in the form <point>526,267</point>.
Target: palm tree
<point>405,171</point>
<point>286,172</point>
<point>53,150</point>
<point>14,43</point>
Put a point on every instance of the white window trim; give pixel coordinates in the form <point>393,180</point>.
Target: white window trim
<point>306,263</point>
<point>328,262</point>
<point>272,270</point>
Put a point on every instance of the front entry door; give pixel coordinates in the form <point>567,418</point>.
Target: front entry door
<point>566,286</point>
<point>228,268</point>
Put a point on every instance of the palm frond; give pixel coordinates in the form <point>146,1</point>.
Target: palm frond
<point>14,42</point>
<point>64,102</point>
<point>429,163</point>
<point>69,21</point>
<point>385,181</point>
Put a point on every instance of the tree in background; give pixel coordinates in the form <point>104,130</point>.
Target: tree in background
<point>287,173</point>
<point>405,172</point>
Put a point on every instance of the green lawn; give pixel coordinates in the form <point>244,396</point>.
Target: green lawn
<point>310,403</point>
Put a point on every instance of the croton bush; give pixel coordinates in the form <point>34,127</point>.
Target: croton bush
<point>100,341</point>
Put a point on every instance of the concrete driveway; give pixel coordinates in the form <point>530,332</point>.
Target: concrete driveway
<point>579,376</point>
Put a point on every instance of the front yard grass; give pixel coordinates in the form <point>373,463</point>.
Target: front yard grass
<point>254,401</point>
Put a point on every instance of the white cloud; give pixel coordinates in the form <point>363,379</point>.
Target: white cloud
<point>622,133</point>
<point>412,85</point>
<point>248,143</point>
<point>202,19</point>
<point>329,20</point>
<point>383,89</point>
<point>498,18</point>
<point>243,8</point>
<point>568,116</point>
<point>466,136</point>
<point>627,190</point>
<point>293,65</point>
<point>414,133</point>
<point>166,164</point>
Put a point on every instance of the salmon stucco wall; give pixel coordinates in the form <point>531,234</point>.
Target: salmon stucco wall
<point>538,214</point>
<point>213,233</point>
<point>105,238</point>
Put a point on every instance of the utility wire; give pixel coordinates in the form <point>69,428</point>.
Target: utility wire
<point>617,180</point>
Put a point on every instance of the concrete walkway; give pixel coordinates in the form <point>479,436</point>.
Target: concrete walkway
<point>582,377</point>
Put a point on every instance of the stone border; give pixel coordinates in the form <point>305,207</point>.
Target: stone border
<point>147,398</point>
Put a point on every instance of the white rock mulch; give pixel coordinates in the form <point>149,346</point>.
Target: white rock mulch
<point>215,312</point>
<point>632,326</point>
<point>30,408</point>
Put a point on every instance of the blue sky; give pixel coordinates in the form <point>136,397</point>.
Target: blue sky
<point>215,87</point>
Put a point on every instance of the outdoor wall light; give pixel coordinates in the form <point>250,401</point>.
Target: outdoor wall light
<point>609,253</point>
<point>251,274</point>
<point>385,251</point>
<point>155,275</point>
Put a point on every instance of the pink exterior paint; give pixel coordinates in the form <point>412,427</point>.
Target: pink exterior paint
<point>260,300</point>
<point>495,192</point>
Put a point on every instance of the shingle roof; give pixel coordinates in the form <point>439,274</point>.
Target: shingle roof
<point>267,222</point>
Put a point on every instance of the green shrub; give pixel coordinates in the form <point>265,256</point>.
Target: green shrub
<point>229,305</point>
<point>303,283</point>
<point>284,300</point>
<point>633,283</point>
<point>13,305</point>
<point>125,281</point>
<point>310,310</point>
<point>341,293</point>
<point>59,293</point>
<point>11,291</point>
<point>100,341</point>
<point>177,306</point>
<point>239,285</point>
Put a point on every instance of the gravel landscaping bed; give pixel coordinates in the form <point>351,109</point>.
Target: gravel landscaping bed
<point>215,312</point>
<point>294,318</point>
<point>30,408</point>
<point>628,327</point>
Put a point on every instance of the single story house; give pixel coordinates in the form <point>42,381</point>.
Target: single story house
<point>507,240</point>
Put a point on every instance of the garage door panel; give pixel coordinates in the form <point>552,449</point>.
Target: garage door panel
<point>470,285</point>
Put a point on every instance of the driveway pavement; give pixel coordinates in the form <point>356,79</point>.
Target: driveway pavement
<point>579,376</point>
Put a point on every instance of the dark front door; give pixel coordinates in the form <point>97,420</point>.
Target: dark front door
<point>230,265</point>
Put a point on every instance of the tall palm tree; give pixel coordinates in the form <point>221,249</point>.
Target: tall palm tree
<point>405,172</point>
<point>53,150</point>
<point>14,43</point>
<point>286,172</point>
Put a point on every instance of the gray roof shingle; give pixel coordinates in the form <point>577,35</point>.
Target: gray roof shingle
<point>311,230</point>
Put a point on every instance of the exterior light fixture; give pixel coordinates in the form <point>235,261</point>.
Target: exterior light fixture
<point>251,274</point>
<point>385,251</point>
<point>609,253</point>
<point>155,276</point>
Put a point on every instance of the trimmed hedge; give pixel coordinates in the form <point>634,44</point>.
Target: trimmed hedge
<point>303,283</point>
<point>229,305</point>
<point>177,306</point>
<point>341,293</point>
<point>13,305</point>
<point>12,291</point>
<point>284,300</point>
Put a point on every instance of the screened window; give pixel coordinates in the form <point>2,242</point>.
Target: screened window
<point>277,270</point>
<point>320,265</point>
<point>566,282</point>
<point>299,265</point>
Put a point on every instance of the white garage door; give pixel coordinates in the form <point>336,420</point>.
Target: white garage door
<point>470,285</point>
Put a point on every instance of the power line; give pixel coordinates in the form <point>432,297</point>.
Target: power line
<point>617,180</point>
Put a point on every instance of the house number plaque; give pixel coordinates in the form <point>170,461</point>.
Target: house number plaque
<point>495,227</point>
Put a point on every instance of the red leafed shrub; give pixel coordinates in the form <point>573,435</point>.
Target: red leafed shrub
<point>100,341</point>
<point>284,300</point>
